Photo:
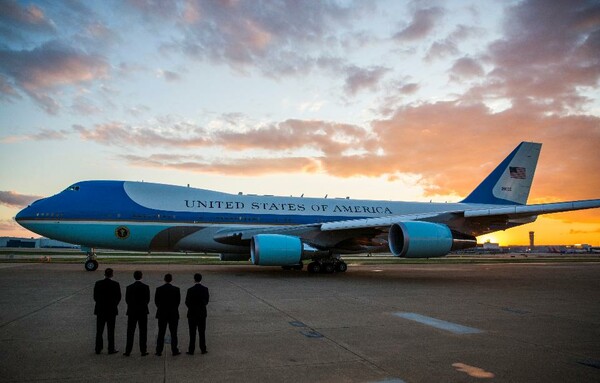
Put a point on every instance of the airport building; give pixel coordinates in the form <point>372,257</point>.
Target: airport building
<point>35,243</point>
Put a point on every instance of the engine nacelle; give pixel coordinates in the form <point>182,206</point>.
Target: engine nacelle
<point>417,239</point>
<point>278,250</point>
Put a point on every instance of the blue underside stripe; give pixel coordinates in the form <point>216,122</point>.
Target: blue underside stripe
<point>100,235</point>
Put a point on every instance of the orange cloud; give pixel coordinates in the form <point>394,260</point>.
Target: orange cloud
<point>452,146</point>
<point>235,167</point>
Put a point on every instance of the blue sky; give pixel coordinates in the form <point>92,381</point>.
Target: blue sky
<point>413,100</point>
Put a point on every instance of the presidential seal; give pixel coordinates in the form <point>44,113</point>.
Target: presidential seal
<point>122,232</point>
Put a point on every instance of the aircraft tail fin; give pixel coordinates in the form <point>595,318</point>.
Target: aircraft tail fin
<point>510,182</point>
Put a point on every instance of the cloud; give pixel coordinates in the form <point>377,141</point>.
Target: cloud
<point>449,46</point>
<point>547,59</point>
<point>450,146</point>
<point>445,141</point>
<point>12,199</point>
<point>273,37</point>
<point>169,76</point>
<point>178,134</point>
<point>326,137</point>
<point>235,167</point>
<point>15,18</point>
<point>422,24</point>
<point>363,78</point>
<point>41,72</point>
<point>465,68</point>
<point>7,91</point>
<point>42,135</point>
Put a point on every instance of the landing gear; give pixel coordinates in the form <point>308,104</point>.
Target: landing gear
<point>327,266</point>
<point>314,267</point>
<point>90,263</point>
<point>341,267</point>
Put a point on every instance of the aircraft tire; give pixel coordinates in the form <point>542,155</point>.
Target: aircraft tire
<point>314,267</point>
<point>328,268</point>
<point>341,267</point>
<point>91,265</point>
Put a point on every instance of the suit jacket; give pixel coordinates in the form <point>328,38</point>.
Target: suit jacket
<point>137,296</point>
<point>167,299</point>
<point>196,299</point>
<point>107,295</point>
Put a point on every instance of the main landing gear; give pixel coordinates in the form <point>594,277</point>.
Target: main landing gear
<point>327,266</point>
<point>324,266</point>
<point>90,263</point>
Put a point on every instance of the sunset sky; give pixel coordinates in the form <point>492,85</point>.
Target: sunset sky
<point>393,100</point>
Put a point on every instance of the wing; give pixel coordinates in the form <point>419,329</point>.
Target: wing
<point>372,234</point>
<point>471,220</point>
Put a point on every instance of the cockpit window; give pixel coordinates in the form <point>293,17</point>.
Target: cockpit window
<point>73,188</point>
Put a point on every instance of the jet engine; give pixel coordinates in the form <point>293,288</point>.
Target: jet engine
<point>279,250</point>
<point>417,239</point>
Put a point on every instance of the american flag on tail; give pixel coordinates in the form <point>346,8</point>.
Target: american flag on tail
<point>517,172</point>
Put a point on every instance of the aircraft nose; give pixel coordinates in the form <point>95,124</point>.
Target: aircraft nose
<point>26,214</point>
<point>23,215</point>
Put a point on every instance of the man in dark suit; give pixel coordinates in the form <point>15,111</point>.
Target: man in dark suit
<point>107,295</point>
<point>167,300</point>
<point>196,299</point>
<point>137,296</point>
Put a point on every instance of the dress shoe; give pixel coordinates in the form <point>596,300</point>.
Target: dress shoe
<point>112,352</point>
<point>204,352</point>
<point>176,353</point>
<point>126,354</point>
<point>144,353</point>
<point>189,353</point>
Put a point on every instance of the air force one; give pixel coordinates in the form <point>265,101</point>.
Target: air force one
<point>286,231</point>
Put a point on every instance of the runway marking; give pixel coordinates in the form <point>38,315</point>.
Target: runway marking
<point>438,323</point>
<point>311,334</point>
<point>297,324</point>
<point>473,371</point>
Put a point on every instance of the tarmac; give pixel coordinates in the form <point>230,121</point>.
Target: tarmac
<point>375,323</point>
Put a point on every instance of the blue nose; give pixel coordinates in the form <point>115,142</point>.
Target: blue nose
<point>30,212</point>
<point>21,215</point>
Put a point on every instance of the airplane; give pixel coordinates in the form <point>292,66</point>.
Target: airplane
<point>286,231</point>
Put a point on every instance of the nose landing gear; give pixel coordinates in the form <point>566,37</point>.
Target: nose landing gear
<point>90,263</point>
